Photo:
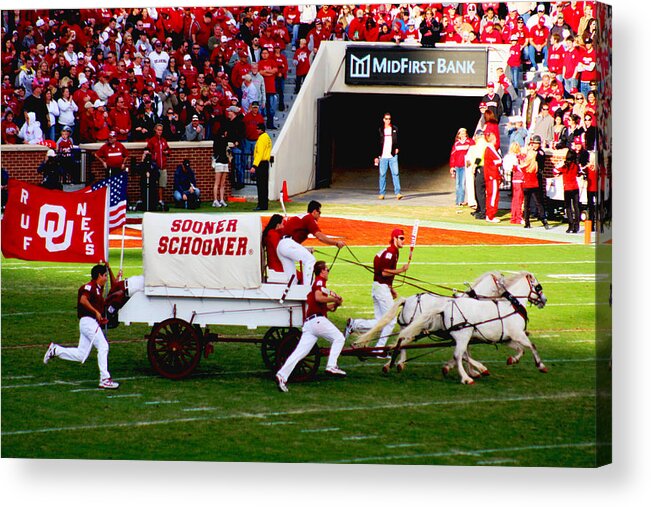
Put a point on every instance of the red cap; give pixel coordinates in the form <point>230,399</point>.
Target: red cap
<point>397,232</point>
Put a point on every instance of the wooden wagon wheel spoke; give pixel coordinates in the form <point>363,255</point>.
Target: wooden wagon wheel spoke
<point>271,341</point>
<point>174,348</point>
<point>307,367</point>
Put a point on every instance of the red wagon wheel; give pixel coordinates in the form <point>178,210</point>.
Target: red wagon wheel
<point>270,342</point>
<point>307,367</point>
<point>174,348</point>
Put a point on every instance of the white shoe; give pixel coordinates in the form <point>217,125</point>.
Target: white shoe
<point>349,328</point>
<point>282,384</point>
<point>50,353</point>
<point>223,203</point>
<point>493,220</point>
<point>216,204</point>
<point>336,371</point>
<point>107,383</point>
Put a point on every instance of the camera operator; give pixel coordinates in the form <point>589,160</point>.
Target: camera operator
<point>149,174</point>
<point>172,127</point>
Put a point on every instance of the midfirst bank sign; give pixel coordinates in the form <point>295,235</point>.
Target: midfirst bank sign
<point>402,66</point>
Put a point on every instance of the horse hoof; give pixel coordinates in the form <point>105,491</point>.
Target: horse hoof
<point>468,382</point>
<point>385,369</point>
<point>543,369</point>
<point>510,361</point>
<point>445,370</point>
<point>400,368</point>
<point>485,373</point>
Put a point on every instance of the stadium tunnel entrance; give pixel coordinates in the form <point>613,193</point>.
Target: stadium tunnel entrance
<point>348,127</point>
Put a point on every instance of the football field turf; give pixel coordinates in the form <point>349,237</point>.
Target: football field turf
<point>230,409</point>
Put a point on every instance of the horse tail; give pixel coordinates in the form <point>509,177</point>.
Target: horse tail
<point>426,321</point>
<point>383,321</point>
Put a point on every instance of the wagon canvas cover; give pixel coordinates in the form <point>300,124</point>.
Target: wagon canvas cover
<point>201,251</point>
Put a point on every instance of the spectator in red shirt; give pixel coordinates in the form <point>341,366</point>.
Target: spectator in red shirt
<point>281,60</point>
<point>113,155</point>
<point>357,27</point>
<point>570,170</point>
<point>302,64</point>
<point>537,39</point>
<point>269,70</point>
<point>9,128</point>
<point>160,150</point>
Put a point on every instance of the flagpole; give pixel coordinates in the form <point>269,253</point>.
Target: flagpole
<point>122,248</point>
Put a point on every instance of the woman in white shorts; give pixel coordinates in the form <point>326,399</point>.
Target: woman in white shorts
<point>220,165</point>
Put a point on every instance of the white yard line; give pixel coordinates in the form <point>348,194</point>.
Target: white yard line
<point>134,395</point>
<point>300,412</point>
<point>161,402</point>
<point>476,452</point>
<point>319,430</point>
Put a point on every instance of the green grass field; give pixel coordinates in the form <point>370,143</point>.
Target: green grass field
<point>230,409</point>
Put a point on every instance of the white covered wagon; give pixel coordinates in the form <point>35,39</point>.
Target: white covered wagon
<point>203,270</point>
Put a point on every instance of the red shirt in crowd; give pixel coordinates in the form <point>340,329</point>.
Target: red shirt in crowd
<point>492,163</point>
<point>113,154</point>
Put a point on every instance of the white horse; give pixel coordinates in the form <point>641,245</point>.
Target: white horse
<point>496,320</point>
<point>490,284</point>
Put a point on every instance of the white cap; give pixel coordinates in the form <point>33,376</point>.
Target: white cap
<point>51,153</point>
<point>40,22</point>
<point>98,103</point>
<point>187,57</point>
<point>541,8</point>
<point>51,45</point>
<point>82,79</point>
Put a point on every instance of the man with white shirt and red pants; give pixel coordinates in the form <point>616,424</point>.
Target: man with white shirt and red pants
<point>385,268</point>
<point>296,229</point>
<point>492,176</point>
<point>320,301</point>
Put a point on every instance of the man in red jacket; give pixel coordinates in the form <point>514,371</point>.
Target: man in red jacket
<point>113,155</point>
<point>493,177</point>
<point>160,150</point>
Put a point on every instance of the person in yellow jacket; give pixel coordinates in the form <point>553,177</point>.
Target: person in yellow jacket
<point>261,158</point>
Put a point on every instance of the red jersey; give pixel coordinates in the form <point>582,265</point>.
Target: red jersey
<point>64,147</point>
<point>570,173</point>
<point>313,306</point>
<point>251,125</point>
<point>492,163</point>
<point>591,176</point>
<point>589,58</point>
<point>120,120</point>
<point>570,60</point>
<point>539,34</point>
<point>458,153</point>
<point>270,80</point>
<point>299,227</point>
<point>159,150</point>
<point>113,155</point>
<point>302,61</point>
<point>515,55</point>
<point>555,59</point>
<point>386,259</point>
<point>271,245</point>
<point>93,293</point>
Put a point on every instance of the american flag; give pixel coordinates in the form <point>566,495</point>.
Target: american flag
<point>117,198</point>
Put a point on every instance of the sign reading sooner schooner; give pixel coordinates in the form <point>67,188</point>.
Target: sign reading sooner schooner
<point>400,66</point>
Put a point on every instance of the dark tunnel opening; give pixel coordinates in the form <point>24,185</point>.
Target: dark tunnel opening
<point>427,126</point>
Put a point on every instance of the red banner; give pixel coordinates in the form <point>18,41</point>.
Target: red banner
<point>51,225</point>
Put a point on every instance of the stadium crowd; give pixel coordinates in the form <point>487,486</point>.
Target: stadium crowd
<point>125,70</point>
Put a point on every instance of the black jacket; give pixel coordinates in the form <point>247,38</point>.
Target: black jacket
<point>394,139</point>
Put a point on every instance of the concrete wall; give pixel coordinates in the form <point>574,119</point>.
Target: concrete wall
<point>295,149</point>
<point>22,161</point>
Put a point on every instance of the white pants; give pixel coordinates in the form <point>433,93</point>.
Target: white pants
<point>470,187</point>
<point>135,284</point>
<point>382,302</point>
<point>90,335</point>
<point>312,330</point>
<point>290,252</point>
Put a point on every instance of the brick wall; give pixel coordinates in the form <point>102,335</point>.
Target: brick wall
<point>22,161</point>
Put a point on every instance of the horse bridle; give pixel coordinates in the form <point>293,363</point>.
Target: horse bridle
<point>534,290</point>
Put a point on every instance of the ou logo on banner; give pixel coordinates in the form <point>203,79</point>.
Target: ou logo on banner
<point>55,227</point>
